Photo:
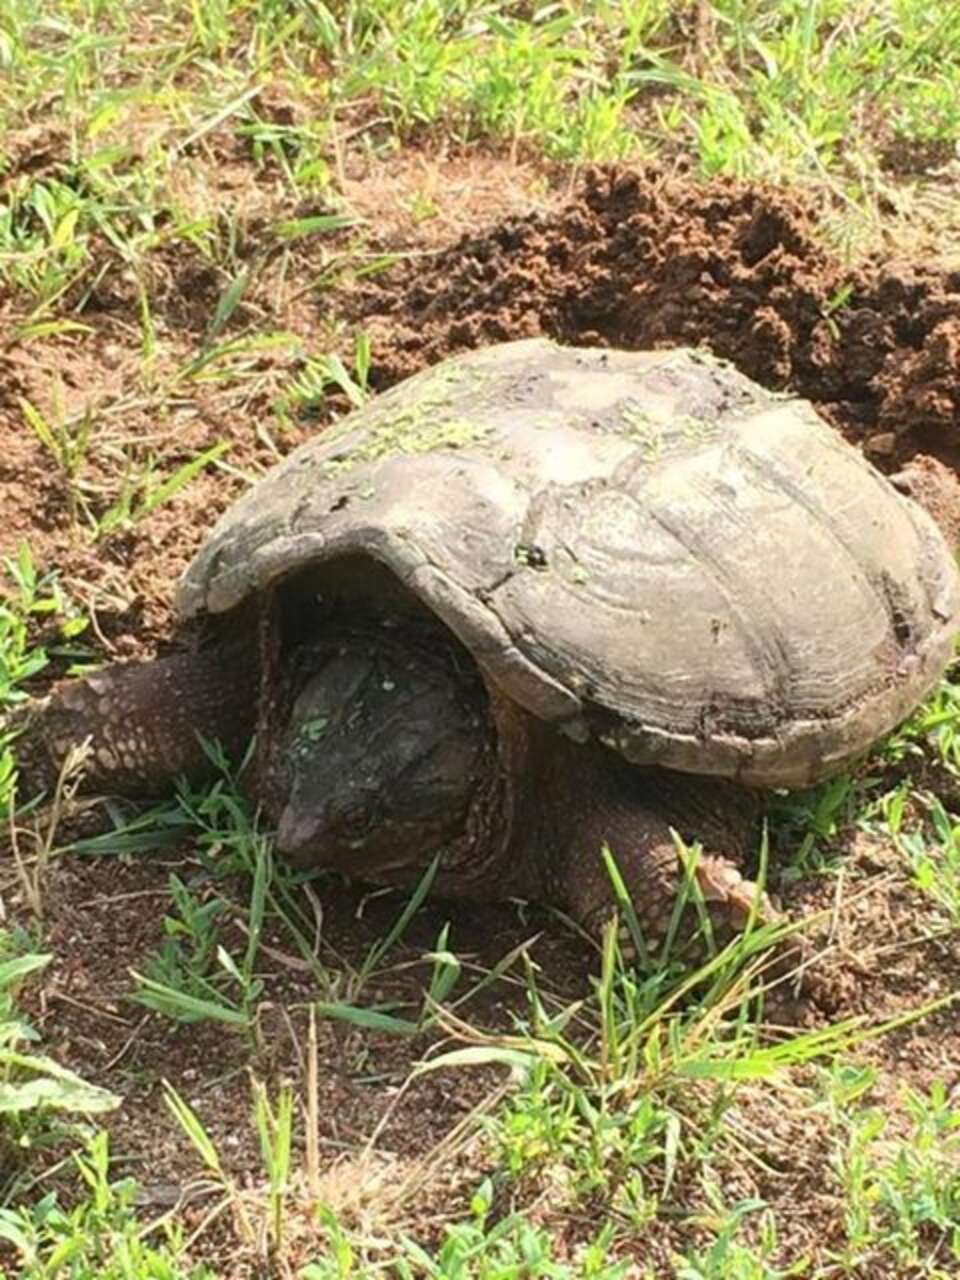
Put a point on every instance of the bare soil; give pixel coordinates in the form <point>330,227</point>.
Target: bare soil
<point>627,259</point>
<point>635,262</point>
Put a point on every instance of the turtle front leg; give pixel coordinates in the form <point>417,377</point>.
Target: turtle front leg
<point>634,813</point>
<point>143,722</point>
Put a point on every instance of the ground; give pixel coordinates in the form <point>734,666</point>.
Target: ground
<point>139,395</point>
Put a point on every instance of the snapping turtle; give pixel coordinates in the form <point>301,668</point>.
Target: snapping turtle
<point>533,601</point>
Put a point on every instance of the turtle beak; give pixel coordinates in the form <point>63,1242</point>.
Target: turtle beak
<point>296,832</point>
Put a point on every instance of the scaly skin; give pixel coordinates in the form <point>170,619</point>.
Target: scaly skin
<point>595,799</point>
<point>143,721</point>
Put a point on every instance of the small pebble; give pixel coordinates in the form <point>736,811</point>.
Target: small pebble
<point>884,442</point>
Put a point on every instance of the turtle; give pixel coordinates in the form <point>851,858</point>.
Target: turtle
<point>534,603</point>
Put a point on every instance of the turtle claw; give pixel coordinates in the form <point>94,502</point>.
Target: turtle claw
<point>722,884</point>
<point>742,900</point>
<point>732,899</point>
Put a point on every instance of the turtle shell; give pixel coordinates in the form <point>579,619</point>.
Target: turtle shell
<point>644,547</point>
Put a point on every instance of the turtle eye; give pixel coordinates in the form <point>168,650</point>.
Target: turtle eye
<point>357,821</point>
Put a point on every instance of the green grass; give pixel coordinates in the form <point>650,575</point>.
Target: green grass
<point>628,1098</point>
<point>137,490</point>
<point>102,1237</point>
<point>901,1189</point>
<point>621,1098</point>
<point>163,155</point>
<point>36,1092</point>
<point>123,94</point>
<point>28,599</point>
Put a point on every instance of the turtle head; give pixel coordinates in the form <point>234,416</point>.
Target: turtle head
<point>383,751</point>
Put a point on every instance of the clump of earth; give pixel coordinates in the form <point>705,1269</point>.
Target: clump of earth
<point>636,263</point>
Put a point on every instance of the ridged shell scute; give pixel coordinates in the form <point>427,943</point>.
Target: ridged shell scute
<point>645,547</point>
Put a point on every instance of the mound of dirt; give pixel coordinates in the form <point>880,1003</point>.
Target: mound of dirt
<point>633,262</point>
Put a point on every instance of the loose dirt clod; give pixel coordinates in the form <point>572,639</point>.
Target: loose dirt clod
<point>639,263</point>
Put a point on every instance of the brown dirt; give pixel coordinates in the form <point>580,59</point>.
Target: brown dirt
<point>636,262</point>
<point>409,202</point>
<point>628,260</point>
